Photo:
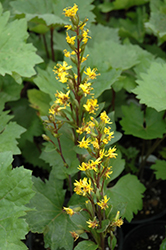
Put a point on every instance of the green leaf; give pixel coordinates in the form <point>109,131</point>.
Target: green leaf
<point>9,90</point>
<point>49,218</point>
<point>104,226</point>
<point>153,84</point>
<point>145,125</point>
<point>51,11</point>
<point>160,169</point>
<point>15,192</point>
<point>17,57</point>
<point>8,134</point>
<point>39,101</point>
<point>163,245</point>
<point>123,192</point>
<point>157,20</point>
<point>47,82</point>
<point>86,245</point>
<point>50,155</point>
<point>121,4</point>
<point>26,117</point>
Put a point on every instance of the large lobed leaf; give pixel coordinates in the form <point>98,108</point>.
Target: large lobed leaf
<point>146,125</point>
<point>8,134</point>
<point>17,58</point>
<point>49,218</point>
<point>50,11</point>
<point>151,88</point>
<point>127,190</point>
<point>15,192</point>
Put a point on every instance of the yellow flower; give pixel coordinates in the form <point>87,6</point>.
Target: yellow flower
<point>119,223</point>
<point>93,223</point>
<point>93,164</point>
<point>62,98</point>
<point>71,11</point>
<point>108,172</point>
<point>84,58</point>
<point>110,153</point>
<point>104,117</point>
<point>70,40</point>
<point>82,187</point>
<point>84,143</point>
<point>84,166</point>
<point>74,235</point>
<point>55,109</point>
<point>69,27</point>
<point>60,70</point>
<point>86,88</point>
<point>91,73</point>
<point>67,53</point>
<point>91,105</point>
<point>103,202</point>
<point>95,143</point>
<point>69,211</point>
<point>85,36</point>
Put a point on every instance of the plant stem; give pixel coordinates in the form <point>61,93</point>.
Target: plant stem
<point>52,44</point>
<point>45,45</point>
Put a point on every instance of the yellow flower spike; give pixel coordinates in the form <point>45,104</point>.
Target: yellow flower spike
<point>84,143</point>
<point>69,211</point>
<point>91,73</point>
<point>91,106</point>
<point>92,223</point>
<point>70,40</point>
<point>71,11</point>
<point>103,203</point>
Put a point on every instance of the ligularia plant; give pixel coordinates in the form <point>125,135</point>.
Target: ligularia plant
<point>76,106</point>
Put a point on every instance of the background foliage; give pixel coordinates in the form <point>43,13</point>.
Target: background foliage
<point>128,49</point>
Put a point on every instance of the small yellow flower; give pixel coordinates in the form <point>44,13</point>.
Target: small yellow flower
<point>84,58</point>
<point>108,172</point>
<point>82,187</point>
<point>68,27</point>
<point>104,117</point>
<point>71,11</point>
<point>84,166</point>
<point>60,70</point>
<point>85,36</point>
<point>103,203</point>
<point>55,109</point>
<point>91,105</point>
<point>93,223</point>
<point>69,211</point>
<point>84,143</point>
<point>67,53</point>
<point>91,73</point>
<point>110,153</point>
<point>62,98</point>
<point>86,88</point>
<point>119,223</point>
<point>70,40</point>
<point>95,143</point>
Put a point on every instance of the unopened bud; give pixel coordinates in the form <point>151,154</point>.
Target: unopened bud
<point>45,137</point>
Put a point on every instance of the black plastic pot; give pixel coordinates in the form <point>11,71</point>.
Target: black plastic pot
<point>145,236</point>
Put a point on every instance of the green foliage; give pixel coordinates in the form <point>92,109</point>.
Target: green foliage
<point>16,191</point>
<point>163,245</point>
<point>160,169</point>
<point>145,125</point>
<point>9,132</point>
<point>123,192</point>
<point>87,245</point>
<point>152,84</point>
<point>17,58</point>
<point>48,216</point>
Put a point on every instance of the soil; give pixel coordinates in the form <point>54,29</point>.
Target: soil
<point>153,203</point>
<point>147,236</point>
